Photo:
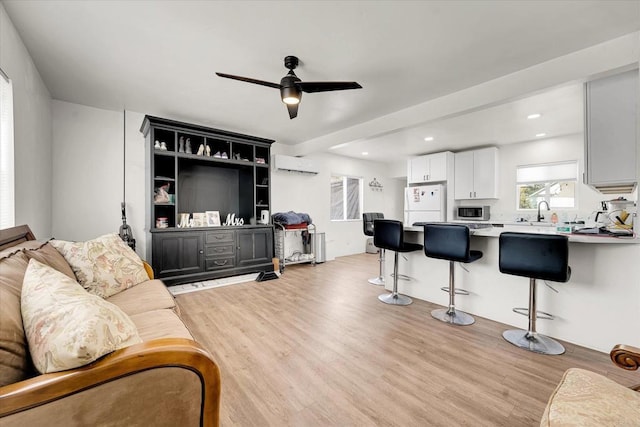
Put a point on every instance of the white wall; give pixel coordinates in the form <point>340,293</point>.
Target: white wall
<point>88,172</point>
<point>311,194</point>
<point>550,150</point>
<point>32,132</point>
<point>87,182</point>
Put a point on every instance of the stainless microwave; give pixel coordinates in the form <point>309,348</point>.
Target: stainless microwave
<point>475,213</point>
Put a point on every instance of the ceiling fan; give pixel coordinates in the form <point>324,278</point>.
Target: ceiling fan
<point>291,87</point>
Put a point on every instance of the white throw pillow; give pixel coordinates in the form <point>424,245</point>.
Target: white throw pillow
<point>105,265</point>
<point>66,327</point>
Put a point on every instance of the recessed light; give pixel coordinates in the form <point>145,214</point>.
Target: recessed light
<point>534,116</point>
<point>364,153</point>
<point>428,138</point>
<point>541,134</point>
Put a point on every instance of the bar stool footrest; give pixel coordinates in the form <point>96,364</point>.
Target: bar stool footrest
<point>539,314</point>
<point>457,291</point>
<point>402,277</point>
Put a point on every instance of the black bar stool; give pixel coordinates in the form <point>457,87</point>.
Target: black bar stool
<point>367,224</point>
<point>389,234</point>
<point>536,256</point>
<point>450,242</point>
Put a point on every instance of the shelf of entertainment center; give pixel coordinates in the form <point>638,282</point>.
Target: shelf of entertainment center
<point>221,161</point>
<point>231,183</point>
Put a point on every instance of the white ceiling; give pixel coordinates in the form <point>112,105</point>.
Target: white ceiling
<point>159,57</point>
<point>561,109</point>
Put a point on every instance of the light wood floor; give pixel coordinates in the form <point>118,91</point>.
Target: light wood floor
<point>317,348</point>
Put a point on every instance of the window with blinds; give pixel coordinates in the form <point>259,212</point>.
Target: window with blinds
<point>7,200</point>
<point>554,183</point>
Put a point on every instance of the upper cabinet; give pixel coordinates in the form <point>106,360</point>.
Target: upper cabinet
<point>610,132</point>
<point>476,174</point>
<point>429,168</point>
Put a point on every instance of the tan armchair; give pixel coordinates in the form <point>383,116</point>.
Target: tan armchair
<point>584,398</point>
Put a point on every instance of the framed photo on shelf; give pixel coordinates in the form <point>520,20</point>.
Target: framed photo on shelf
<point>213,218</point>
<point>199,219</point>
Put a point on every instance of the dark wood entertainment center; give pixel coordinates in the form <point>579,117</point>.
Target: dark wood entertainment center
<point>234,178</point>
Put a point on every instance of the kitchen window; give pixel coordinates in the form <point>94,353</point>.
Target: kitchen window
<point>554,183</point>
<point>7,201</point>
<point>346,198</point>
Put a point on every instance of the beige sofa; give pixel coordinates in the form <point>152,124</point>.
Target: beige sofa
<point>584,398</point>
<point>168,379</point>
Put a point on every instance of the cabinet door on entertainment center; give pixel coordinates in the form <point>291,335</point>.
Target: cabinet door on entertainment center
<point>177,253</point>
<point>255,246</point>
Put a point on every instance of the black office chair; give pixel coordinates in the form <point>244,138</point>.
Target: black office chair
<point>389,234</point>
<point>367,224</point>
<point>536,256</point>
<point>450,242</point>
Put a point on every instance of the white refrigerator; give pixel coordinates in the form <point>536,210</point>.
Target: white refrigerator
<point>424,203</point>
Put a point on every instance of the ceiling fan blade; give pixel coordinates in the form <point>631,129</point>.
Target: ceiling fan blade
<point>311,87</point>
<point>293,110</point>
<point>249,80</point>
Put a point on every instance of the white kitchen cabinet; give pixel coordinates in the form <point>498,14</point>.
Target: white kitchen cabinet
<point>610,132</point>
<point>476,174</point>
<point>428,168</point>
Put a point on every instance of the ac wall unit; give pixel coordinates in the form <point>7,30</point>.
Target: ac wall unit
<point>294,164</point>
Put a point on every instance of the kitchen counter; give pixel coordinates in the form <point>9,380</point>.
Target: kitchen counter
<point>597,308</point>
<point>487,229</point>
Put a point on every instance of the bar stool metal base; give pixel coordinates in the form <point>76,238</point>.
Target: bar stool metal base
<point>395,299</point>
<point>378,281</point>
<point>455,317</point>
<point>533,341</point>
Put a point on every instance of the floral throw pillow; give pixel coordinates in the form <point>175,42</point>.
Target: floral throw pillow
<point>67,327</point>
<point>105,265</point>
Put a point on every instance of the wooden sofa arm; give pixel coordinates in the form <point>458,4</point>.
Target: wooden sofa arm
<point>159,353</point>
<point>626,356</point>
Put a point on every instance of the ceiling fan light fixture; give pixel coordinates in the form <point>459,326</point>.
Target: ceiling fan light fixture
<point>291,87</point>
<point>290,95</point>
<point>291,100</point>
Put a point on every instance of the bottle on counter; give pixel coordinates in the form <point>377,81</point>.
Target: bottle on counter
<point>554,218</point>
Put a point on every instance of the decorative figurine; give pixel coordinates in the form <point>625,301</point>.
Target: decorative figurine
<point>181,145</point>
<point>207,150</point>
<point>188,147</point>
<point>200,150</point>
<point>163,146</point>
<point>156,145</point>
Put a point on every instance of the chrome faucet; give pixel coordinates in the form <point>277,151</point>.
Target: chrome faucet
<point>541,217</point>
